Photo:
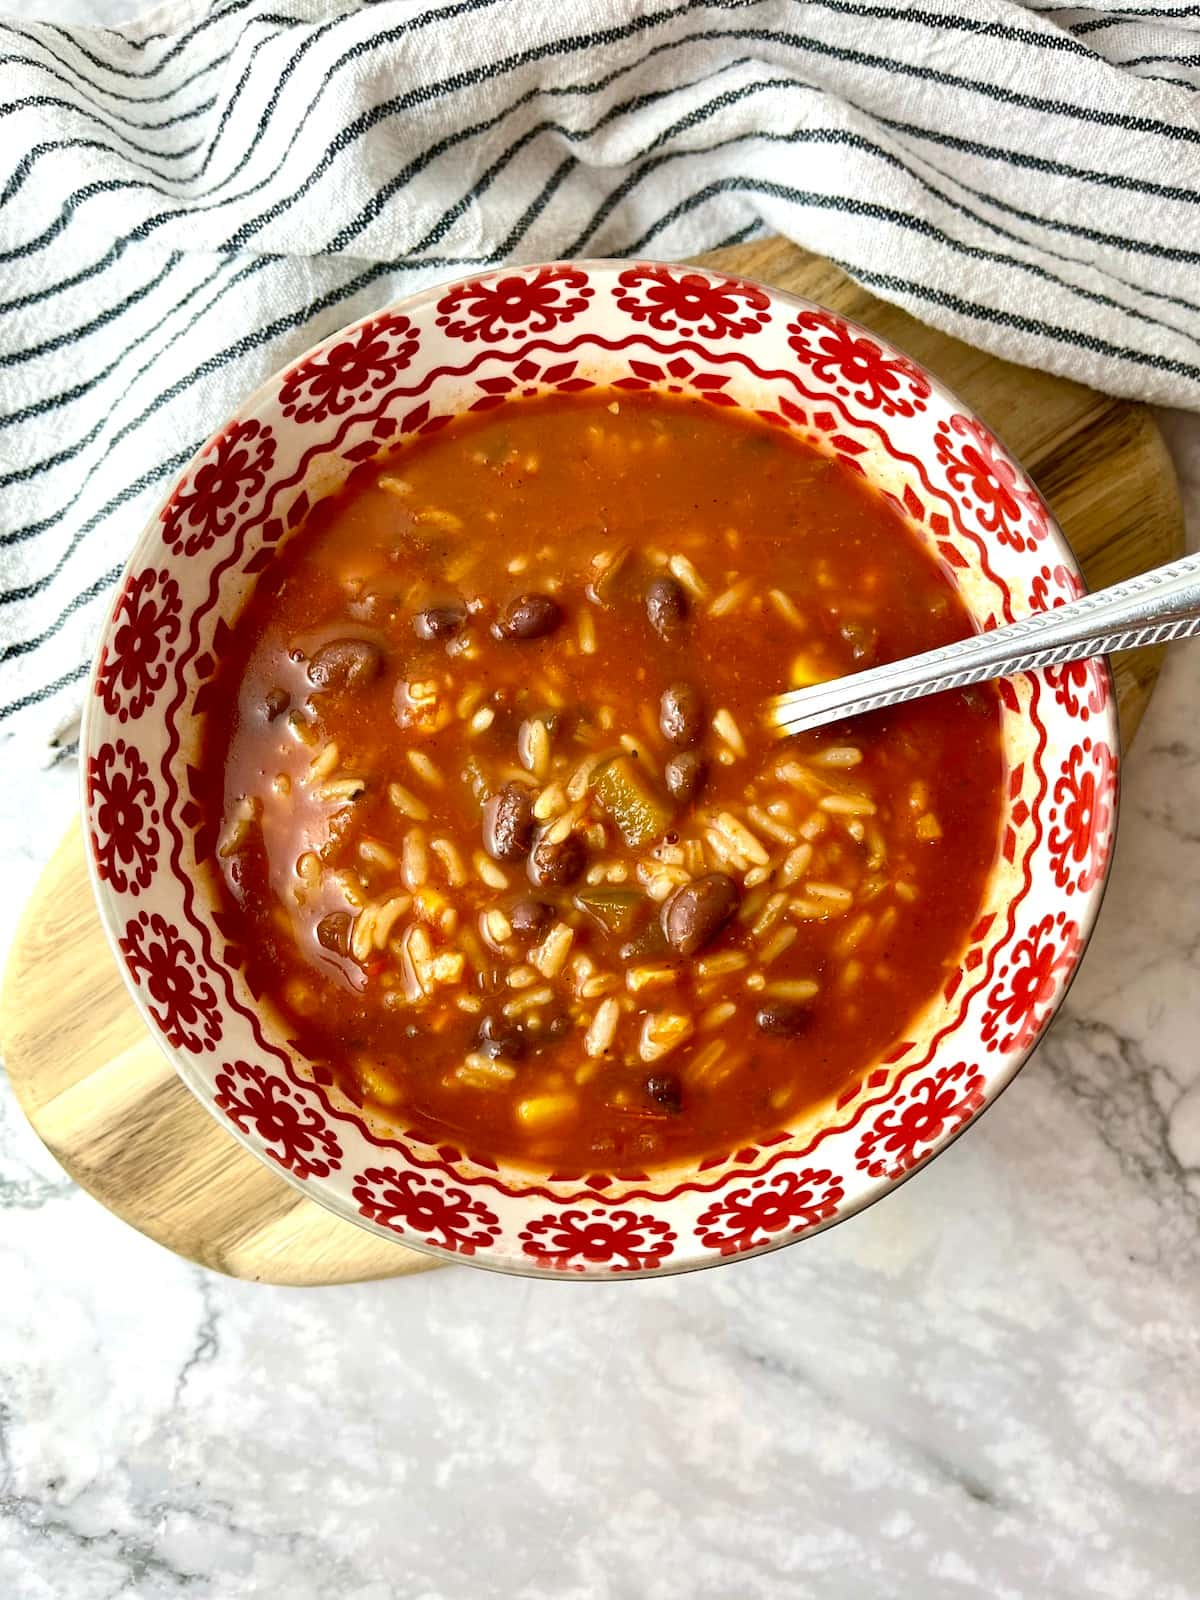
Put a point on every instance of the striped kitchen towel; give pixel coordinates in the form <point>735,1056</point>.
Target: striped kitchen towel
<point>189,200</point>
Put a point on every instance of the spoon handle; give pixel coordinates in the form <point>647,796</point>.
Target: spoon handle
<point>1150,609</point>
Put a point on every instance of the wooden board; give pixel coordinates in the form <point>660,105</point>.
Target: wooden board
<point>108,1105</point>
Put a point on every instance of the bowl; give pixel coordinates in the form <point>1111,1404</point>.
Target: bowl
<point>403,372</point>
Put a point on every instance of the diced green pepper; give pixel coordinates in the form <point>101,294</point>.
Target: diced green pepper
<point>614,908</point>
<point>626,795</point>
<point>616,577</point>
<point>602,765</point>
<point>647,945</point>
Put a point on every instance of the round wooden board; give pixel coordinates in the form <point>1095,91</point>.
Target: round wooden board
<point>103,1097</point>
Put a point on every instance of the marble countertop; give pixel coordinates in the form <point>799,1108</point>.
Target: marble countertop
<point>988,1386</point>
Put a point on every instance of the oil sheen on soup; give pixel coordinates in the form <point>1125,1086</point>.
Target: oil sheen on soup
<point>513,854</point>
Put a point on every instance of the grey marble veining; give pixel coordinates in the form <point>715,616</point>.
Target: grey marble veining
<point>987,1388</point>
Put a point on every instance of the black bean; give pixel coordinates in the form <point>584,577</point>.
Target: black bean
<point>785,1018</point>
<point>666,606</point>
<point>697,912</point>
<point>558,862</point>
<point>439,622</point>
<point>684,774</point>
<point>508,822</point>
<point>500,1039</point>
<point>665,1089</point>
<point>530,616</point>
<point>333,932</point>
<point>681,713</point>
<point>345,664</point>
<point>275,703</point>
<point>530,916</point>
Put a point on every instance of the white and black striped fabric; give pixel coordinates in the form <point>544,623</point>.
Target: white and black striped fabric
<point>188,200</point>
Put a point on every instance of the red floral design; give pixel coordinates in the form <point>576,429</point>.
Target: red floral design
<point>710,307</point>
<point>791,1201</point>
<point>273,1109</point>
<point>677,376</point>
<point>184,1002</point>
<point>429,1197</point>
<point>981,472</point>
<point>514,306</point>
<point>917,1117</point>
<point>233,471</point>
<point>145,625</point>
<point>333,380</point>
<point>120,796</point>
<point>1079,832</point>
<point>433,1210</point>
<point>571,1240</point>
<point>1054,586</point>
<point>1079,687</point>
<point>821,426</point>
<point>836,351</point>
<point>527,378</point>
<point>1020,1000</point>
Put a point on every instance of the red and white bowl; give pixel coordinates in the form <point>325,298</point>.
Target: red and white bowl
<point>407,371</point>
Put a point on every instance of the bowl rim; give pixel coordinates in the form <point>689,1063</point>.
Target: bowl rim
<point>873,1189</point>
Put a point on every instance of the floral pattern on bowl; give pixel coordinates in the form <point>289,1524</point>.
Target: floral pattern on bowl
<point>406,371</point>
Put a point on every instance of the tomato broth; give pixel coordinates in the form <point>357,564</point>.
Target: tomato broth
<point>511,850</point>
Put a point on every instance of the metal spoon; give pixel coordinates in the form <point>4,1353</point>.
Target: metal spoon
<point>1157,606</point>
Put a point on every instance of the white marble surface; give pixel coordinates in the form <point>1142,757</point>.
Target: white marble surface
<point>989,1386</point>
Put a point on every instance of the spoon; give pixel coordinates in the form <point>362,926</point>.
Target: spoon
<point>1159,605</point>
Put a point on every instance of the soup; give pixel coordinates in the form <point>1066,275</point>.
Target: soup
<point>512,851</point>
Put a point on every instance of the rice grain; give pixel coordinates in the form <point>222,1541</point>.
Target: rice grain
<point>833,892</point>
<point>680,567</point>
<point>550,956</point>
<point>407,803</point>
<point>727,729</point>
<point>847,805</point>
<point>837,755</point>
<point>779,941</point>
<point>425,768</point>
<point>324,763</point>
<point>385,916</point>
<point>452,862</point>
<point>602,1029</point>
<point>414,859</point>
<point>491,874</point>
<point>786,607</point>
